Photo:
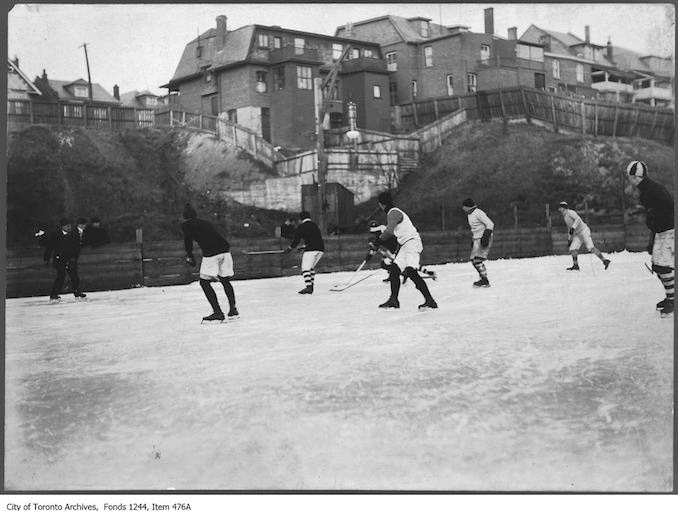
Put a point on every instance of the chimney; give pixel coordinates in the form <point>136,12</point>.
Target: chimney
<point>489,20</point>
<point>610,53</point>
<point>16,61</point>
<point>587,37</point>
<point>513,33</point>
<point>545,41</point>
<point>349,28</point>
<point>116,92</point>
<point>221,30</point>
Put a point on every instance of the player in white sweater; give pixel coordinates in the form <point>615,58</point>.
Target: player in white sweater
<point>578,234</point>
<point>481,229</point>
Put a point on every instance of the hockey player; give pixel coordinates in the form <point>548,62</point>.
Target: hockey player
<point>659,207</point>
<point>389,246</point>
<point>217,262</point>
<point>407,259</point>
<point>63,248</point>
<point>95,236</point>
<point>578,233</point>
<point>313,251</point>
<point>481,230</point>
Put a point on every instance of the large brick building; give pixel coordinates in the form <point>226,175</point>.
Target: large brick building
<point>262,77</point>
<point>429,60</point>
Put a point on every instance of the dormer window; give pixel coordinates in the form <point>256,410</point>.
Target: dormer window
<point>484,52</point>
<point>424,29</point>
<point>262,40</point>
<point>277,42</point>
<point>299,45</point>
<point>151,101</point>
<point>80,92</point>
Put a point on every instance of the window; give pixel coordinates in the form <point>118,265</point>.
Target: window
<point>207,75</point>
<point>428,56</point>
<point>424,29</point>
<point>278,78</point>
<point>355,53</point>
<point>262,85</point>
<point>151,101</point>
<point>299,45</point>
<point>555,67</point>
<point>580,72</point>
<point>73,111</point>
<point>535,53</point>
<point>337,50</point>
<point>414,89</point>
<point>450,85</point>
<point>540,81</point>
<point>198,52</point>
<point>391,62</point>
<point>376,91</point>
<point>277,42</point>
<point>368,54</point>
<point>81,92</point>
<point>304,78</point>
<point>262,40</point>
<point>484,52</point>
<point>214,104</point>
<point>233,116</point>
<point>393,92</point>
<point>472,81</point>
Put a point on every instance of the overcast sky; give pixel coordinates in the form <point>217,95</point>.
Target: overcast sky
<point>138,46</point>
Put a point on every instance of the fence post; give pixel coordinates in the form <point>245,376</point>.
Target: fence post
<point>654,123</point>
<point>515,215</point>
<point>583,118</point>
<point>553,113</point>
<point>200,120</point>
<point>171,118</point>
<point>548,216</point>
<point>110,117</point>
<point>595,119</point>
<point>435,108</point>
<point>183,118</point>
<point>614,126</point>
<point>414,113</point>
<point>635,123</point>
<point>59,115</point>
<point>84,113</point>
<point>586,212</point>
<point>442,215</point>
<point>527,112</point>
<point>140,241</point>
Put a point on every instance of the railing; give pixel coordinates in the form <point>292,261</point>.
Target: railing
<point>587,117</point>
<point>161,263</point>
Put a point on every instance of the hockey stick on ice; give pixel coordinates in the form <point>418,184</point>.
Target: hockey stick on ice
<point>261,252</point>
<point>352,276</point>
<point>352,283</point>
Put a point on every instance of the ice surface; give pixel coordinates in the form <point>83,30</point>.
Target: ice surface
<point>548,380</point>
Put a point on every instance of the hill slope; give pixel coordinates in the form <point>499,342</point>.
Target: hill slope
<point>529,166</point>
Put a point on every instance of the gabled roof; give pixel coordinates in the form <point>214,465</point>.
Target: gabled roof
<point>99,94</point>
<point>567,41</point>
<point>629,59</point>
<point>134,98</point>
<point>405,27</point>
<point>19,86</point>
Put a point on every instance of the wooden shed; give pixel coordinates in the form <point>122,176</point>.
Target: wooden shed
<point>340,203</point>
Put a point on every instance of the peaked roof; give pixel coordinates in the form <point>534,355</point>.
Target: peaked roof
<point>405,27</point>
<point>19,86</point>
<point>566,40</point>
<point>99,94</point>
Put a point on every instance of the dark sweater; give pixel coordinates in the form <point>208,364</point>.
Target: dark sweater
<point>61,246</point>
<point>310,233</point>
<point>205,235</point>
<point>658,203</point>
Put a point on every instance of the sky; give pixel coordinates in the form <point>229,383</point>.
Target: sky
<point>138,46</point>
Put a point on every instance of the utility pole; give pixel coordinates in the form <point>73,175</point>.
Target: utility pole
<point>322,105</point>
<point>89,78</point>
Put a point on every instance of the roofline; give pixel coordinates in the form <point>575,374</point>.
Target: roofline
<point>385,16</point>
<point>24,76</point>
<point>313,34</point>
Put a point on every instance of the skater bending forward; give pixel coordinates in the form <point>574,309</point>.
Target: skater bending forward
<point>314,248</point>
<point>216,265</point>
<point>578,234</point>
<point>406,261</point>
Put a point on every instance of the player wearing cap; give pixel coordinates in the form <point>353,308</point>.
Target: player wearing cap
<point>659,207</point>
<point>578,234</point>
<point>62,247</point>
<point>481,230</point>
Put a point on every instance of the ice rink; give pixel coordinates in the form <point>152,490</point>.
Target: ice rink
<point>548,380</point>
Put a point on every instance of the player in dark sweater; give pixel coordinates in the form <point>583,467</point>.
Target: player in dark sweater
<point>216,265</point>
<point>313,249</point>
<point>63,248</point>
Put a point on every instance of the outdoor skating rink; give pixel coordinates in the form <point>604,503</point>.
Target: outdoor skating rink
<point>547,381</point>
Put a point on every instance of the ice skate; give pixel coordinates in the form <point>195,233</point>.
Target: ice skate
<point>483,282</point>
<point>391,303</point>
<point>660,305</point>
<point>308,290</point>
<point>215,316</point>
<point>427,305</point>
<point>667,310</point>
<point>54,300</point>
<point>233,314</point>
<point>574,267</point>
<point>606,263</point>
<point>79,295</point>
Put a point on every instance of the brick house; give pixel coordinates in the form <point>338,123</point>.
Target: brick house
<point>606,72</point>
<point>262,77</point>
<point>429,60</point>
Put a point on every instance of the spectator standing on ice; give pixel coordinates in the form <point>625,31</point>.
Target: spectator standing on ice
<point>314,248</point>
<point>217,262</point>
<point>63,248</point>
<point>407,259</point>
<point>481,231</point>
<point>659,207</point>
<point>578,234</point>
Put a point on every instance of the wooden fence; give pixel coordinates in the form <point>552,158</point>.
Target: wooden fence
<point>563,113</point>
<point>161,263</point>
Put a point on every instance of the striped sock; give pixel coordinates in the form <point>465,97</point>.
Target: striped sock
<point>667,281</point>
<point>308,278</point>
<point>312,276</point>
<point>480,267</point>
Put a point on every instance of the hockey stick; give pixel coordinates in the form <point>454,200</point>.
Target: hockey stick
<point>649,268</point>
<point>260,252</point>
<point>353,283</point>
